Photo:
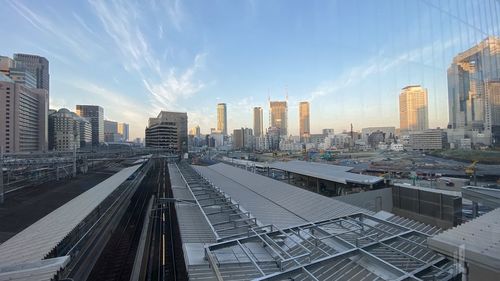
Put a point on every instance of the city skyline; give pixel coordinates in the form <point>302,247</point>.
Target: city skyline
<point>172,56</point>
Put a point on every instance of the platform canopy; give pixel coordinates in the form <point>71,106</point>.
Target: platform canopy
<point>334,173</point>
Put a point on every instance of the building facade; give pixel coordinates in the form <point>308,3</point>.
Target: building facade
<point>111,132</point>
<point>258,121</point>
<point>222,118</point>
<point>85,131</point>
<point>304,120</point>
<point>95,114</point>
<point>473,91</point>
<point>23,117</point>
<point>432,139</point>
<point>64,130</point>
<point>278,114</point>
<point>37,65</point>
<point>123,130</point>
<point>413,109</point>
<point>168,131</point>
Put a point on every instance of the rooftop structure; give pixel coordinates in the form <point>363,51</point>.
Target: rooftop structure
<point>298,234</point>
<point>477,242</point>
<point>338,174</point>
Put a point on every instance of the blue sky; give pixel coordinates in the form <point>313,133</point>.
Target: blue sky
<point>348,58</point>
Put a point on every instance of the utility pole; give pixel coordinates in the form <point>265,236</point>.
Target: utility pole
<point>74,155</point>
<point>1,176</point>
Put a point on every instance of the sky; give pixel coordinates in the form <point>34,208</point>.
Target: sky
<point>349,59</point>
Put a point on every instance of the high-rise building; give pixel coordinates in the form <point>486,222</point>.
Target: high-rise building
<point>64,130</point>
<point>278,114</point>
<point>95,114</point>
<point>238,138</point>
<point>258,121</point>
<point>123,130</point>
<point>23,76</point>
<point>37,65</point>
<point>168,131</point>
<point>111,132</point>
<point>473,92</point>
<point>85,131</point>
<point>23,117</point>
<point>222,118</point>
<point>413,109</point>
<point>304,123</point>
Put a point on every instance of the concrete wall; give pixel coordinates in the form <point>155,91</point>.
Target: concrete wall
<point>374,200</point>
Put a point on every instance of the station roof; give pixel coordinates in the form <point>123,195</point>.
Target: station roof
<point>36,241</point>
<point>478,238</point>
<point>194,228</point>
<point>281,239</point>
<point>486,196</point>
<point>272,201</point>
<point>339,174</point>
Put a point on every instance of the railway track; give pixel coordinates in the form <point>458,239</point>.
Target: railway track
<point>117,258</point>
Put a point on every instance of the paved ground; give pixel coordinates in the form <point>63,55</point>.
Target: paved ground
<point>25,206</point>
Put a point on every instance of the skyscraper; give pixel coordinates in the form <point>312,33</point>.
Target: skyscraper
<point>37,65</point>
<point>258,124</point>
<point>95,114</point>
<point>123,129</point>
<point>23,117</point>
<point>304,122</point>
<point>413,109</point>
<point>278,114</point>
<point>222,118</point>
<point>472,89</point>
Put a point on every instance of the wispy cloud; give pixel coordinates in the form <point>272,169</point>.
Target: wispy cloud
<point>123,23</point>
<point>381,64</point>
<point>48,26</point>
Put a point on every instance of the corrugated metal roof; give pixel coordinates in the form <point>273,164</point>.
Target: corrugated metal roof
<point>272,201</point>
<point>193,226</point>
<point>328,172</point>
<point>265,210</point>
<point>479,238</point>
<point>43,270</point>
<point>37,240</point>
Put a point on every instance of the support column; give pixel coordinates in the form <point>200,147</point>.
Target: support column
<point>317,185</point>
<point>475,209</point>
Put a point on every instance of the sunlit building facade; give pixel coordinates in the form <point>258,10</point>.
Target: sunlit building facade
<point>278,114</point>
<point>304,120</point>
<point>474,92</point>
<point>413,109</point>
<point>23,117</point>
<point>222,118</point>
<point>123,130</point>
